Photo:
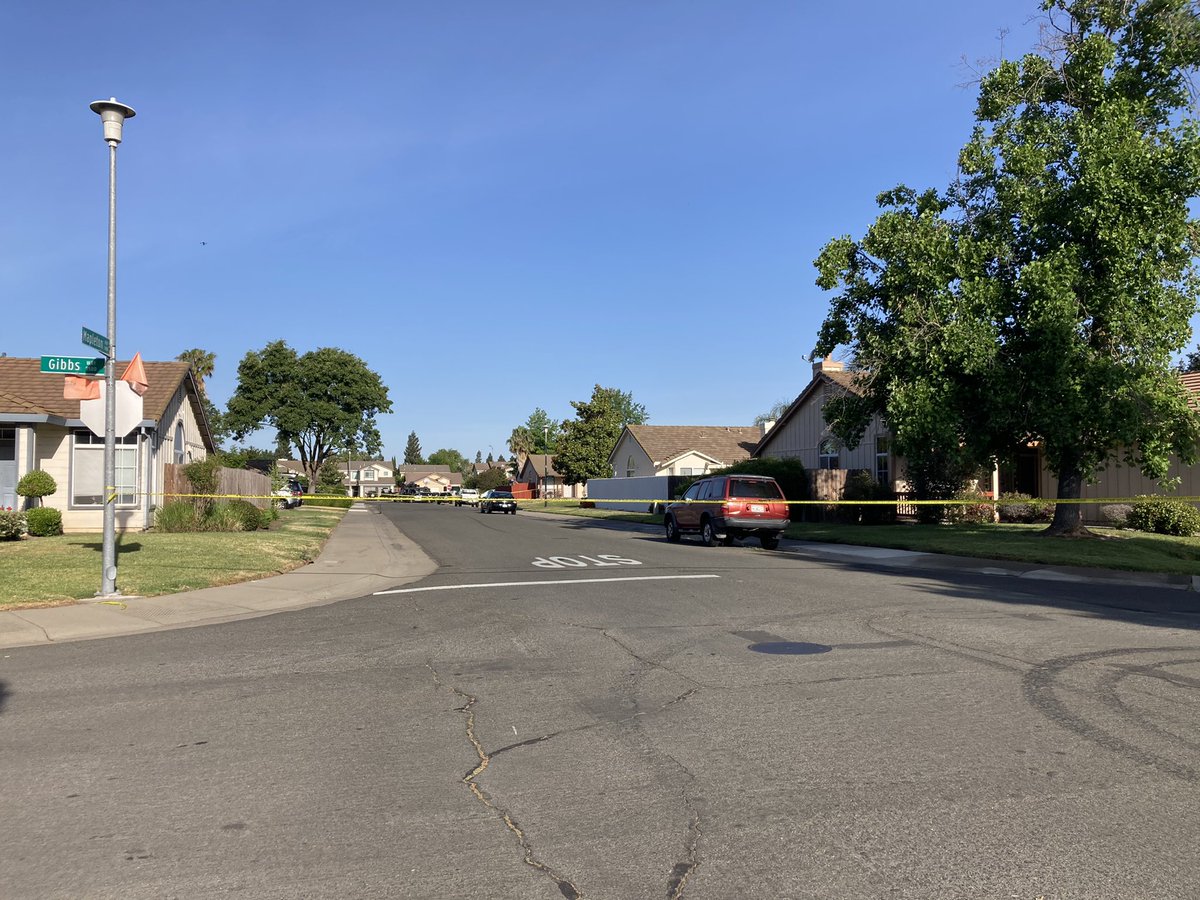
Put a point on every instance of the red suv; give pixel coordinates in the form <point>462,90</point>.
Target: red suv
<point>725,507</point>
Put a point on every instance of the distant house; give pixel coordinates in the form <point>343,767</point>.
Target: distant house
<point>40,429</point>
<point>802,432</point>
<point>437,478</point>
<point>646,450</point>
<point>544,480</point>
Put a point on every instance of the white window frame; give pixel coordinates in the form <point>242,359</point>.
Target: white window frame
<point>128,470</point>
<point>829,454</point>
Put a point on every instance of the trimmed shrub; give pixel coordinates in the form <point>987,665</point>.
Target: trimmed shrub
<point>975,510</point>
<point>248,515</point>
<point>862,485</point>
<point>1116,514</point>
<point>45,521</point>
<point>36,484</point>
<point>1016,507</point>
<point>1164,515</point>
<point>176,517</point>
<point>335,502</point>
<point>12,525</point>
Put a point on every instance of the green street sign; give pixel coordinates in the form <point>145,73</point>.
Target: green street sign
<point>72,365</point>
<point>95,339</point>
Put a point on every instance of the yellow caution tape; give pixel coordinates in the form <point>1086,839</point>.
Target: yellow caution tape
<point>450,498</point>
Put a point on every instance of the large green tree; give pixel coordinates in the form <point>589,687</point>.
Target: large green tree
<point>412,451</point>
<point>582,450</point>
<point>319,402</point>
<point>449,457</point>
<point>1042,297</point>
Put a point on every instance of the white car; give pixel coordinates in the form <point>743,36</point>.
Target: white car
<point>291,494</point>
<point>468,497</point>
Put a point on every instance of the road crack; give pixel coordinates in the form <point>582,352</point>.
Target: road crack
<point>569,890</point>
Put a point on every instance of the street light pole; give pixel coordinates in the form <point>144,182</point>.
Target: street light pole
<point>113,115</point>
<point>546,474</point>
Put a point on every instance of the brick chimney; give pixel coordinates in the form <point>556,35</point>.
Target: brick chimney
<point>827,365</point>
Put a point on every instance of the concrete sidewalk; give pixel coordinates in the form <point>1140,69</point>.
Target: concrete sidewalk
<point>364,553</point>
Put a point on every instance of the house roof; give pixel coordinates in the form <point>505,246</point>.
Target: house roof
<point>725,444</point>
<point>542,465</point>
<point>410,471</point>
<point>847,380</point>
<point>25,389</point>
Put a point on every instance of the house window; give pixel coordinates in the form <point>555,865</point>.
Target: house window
<point>630,468</point>
<point>87,470</point>
<point>8,444</point>
<point>179,445</point>
<point>883,455</point>
<point>368,474</point>
<point>688,470</point>
<point>830,454</point>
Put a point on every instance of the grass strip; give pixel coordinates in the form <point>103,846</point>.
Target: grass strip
<point>47,571</point>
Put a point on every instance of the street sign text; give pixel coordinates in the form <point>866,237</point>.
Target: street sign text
<point>72,365</point>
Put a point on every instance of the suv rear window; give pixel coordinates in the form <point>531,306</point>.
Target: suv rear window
<point>767,490</point>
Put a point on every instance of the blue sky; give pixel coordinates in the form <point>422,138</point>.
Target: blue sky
<point>496,205</point>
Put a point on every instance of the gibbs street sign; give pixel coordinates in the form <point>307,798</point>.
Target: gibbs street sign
<point>72,365</point>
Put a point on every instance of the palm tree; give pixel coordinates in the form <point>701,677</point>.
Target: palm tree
<point>202,363</point>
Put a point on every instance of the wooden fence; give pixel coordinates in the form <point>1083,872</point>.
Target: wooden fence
<point>254,486</point>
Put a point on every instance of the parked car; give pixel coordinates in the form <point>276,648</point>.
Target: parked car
<point>727,507</point>
<point>498,501</point>
<point>291,495</point>
<point>468,497</point>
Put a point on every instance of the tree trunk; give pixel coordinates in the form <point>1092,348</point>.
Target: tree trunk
<point>1068,517</point>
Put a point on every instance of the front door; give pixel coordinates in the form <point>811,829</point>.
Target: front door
<point>8,467</point>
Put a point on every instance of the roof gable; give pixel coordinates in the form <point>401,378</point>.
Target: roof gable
<point>721,443</point>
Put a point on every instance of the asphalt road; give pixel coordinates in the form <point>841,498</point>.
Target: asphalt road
<point>571,711</point>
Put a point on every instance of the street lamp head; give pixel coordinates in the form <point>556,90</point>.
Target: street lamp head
<point>113,115</point>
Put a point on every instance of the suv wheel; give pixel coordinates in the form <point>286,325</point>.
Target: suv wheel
<point>769,541</point>
<point>672,530</point>
<point>708,535</point>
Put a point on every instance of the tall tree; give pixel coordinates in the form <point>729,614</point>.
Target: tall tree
<point>478,457</point>
<point>318,403</point>
<point>202,363</point>
<point>537,434</point>
<point>448,457</point>
<point>412,451</point>
<point>586,440</point>
<point>1043,296</point>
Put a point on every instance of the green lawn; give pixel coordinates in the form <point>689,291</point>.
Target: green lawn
<point>48,570</point>
<point>1111,548</point>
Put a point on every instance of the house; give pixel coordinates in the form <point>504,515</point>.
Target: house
<point>802,433</point>
<point>650,462</point>
<point>651,450</point>
<point>437,478</point>
<point>537,471</point>
<point>40,429</point>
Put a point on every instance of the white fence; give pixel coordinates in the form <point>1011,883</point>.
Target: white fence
<point>645,488</point>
